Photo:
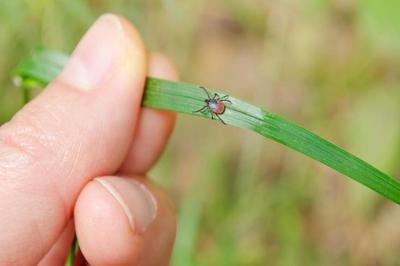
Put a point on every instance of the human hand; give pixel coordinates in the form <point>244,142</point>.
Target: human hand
<point>83,147</point>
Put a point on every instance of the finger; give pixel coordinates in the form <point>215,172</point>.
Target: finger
<point>78,128</point>
<point>59,251</point>
<point>154,126</point>
<point>124,221</point>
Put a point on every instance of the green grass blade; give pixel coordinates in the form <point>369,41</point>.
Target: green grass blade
<point>185,98</point>
<point>72,253</point>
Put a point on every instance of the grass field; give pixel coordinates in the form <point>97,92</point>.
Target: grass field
<point>331,66</point>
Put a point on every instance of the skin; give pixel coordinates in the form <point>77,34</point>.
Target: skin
<point>75,160</point>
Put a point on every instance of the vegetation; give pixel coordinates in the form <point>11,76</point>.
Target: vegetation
<point>326,65</point>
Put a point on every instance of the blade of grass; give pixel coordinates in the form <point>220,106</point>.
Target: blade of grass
<point>181,97</point>
<point>189,222</point>
<point>72,253</point>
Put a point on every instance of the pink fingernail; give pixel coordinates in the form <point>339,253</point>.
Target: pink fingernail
<point>136,201</point>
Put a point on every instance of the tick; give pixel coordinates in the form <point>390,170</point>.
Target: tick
<point>215,105</point>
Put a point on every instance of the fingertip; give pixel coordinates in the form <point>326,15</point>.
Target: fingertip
<point>161,66</point>
<point>155,126</point>
<point>136,52</point>
<point>103,231</point>
<point>111,46</point>
<point>124,221</point>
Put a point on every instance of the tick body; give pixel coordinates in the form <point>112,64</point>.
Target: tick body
<point>215,105</point>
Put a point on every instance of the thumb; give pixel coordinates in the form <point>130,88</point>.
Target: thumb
<point>78,128</point>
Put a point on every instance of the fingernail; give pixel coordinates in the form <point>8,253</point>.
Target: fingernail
<point>136,201</point>
<point>95,57</point>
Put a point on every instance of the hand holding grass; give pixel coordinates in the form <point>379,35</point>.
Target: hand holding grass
<point>83,147</point>
<point>45,65</point>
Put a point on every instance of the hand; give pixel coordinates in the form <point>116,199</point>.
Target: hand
<point>83,147</point>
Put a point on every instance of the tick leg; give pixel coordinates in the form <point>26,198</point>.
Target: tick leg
<point>220,119</point>
<point>204,112</point>
<point>208,95</point>
<point>212,116</point>
<point>215,96</point>
<point>201,109</point>
<point>225,100</point>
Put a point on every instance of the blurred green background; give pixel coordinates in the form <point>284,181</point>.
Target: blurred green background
<point>331,65</point>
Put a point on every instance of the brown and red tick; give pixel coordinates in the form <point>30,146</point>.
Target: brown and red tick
<point>215,106</point>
